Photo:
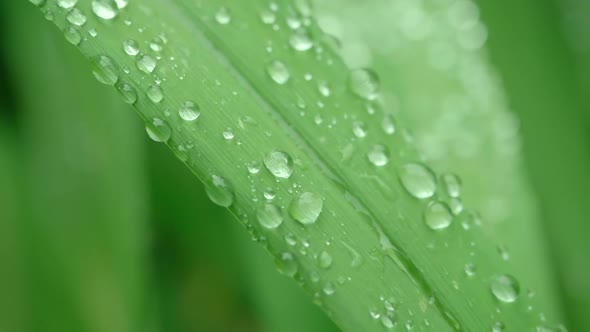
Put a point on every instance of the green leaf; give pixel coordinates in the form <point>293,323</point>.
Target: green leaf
<point>260,106</point>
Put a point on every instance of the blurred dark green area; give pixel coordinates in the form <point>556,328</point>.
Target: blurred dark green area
<point>104,230</point>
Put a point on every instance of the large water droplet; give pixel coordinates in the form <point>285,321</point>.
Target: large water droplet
<point>158,130</point>
<point>269,216</point>
<point>128,92</point>
<point>146,64</point>
<point>325,260</point>
<point>189,111</point>
<point>286,264</point>
<point>505,288</point>
<point>154,93</point>
<point>452,184</point>
<point>220,191</point>
<point>223,16</point>
<point>364,83</point>
<point>67,4</point>
<point>306,208</point>
<point>378,155</point>
<point>105,70</point>
<point>105,9</point>
<point>76,17</point>
<point>131,47</point>
<point>418,180</point>
<point>279,164</point>
<point>278,72</point>
<point>437,216</point>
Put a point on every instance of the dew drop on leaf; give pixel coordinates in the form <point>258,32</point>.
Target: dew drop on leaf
<point>73,36</point>
<point>498,327</point>
<point>253,167</point>
<point>146,64</point>
<point>267,17</point>
<point>155,93</point>
<point>279,164</point>
<point>451,184</point>
<point>359,129</point>
<point>325,260</point>
<point>306,208</point>
<point>269,216</point>
<point>189,111</point>
<point>437,216</point>
<point>223,16</point>
<point>76,17</point>
<point>278,72</point>
<point>286,264</point>
<point>228,134</point>
<point>417,179</point>
<point>469,269</point>
<point>131,47</point>
<point>105,70</point>
<point>388,124</point>
<point>128,92</point>
<point>220,191</point>
<point>387,322</point>
<point>378,155</point>
<point>122,3</point>
<point>300,41</point>
<point>158,130</point>
<point>329,288</point>
<point>364,83</point>
<point>67,4</point>
<point>38,3</point>
<point>105,9</point>
<point>505,288</point>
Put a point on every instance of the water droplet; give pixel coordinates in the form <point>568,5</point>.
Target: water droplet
<point>269,194</point>
<point>131,47</point>
<point>146,64</point>
<point>158,130</point>
<point>437,216</point>
<point>503,251</point>
<point>324,88</point>
<point>359,129</point>
<point>364,83</point>
<point>128,92</point>
<point>306,208</point>
<point>155,93</point>
<point>253,167</point>
<point>387,322</point>
<point>286,264</point>
<point>452,184</point>
<point>220,191</point>
<point>105,70</point>
<point>300,41</point>
<point>278,72</point>
<point>157,44</point>
<point>228,134</point>
<point>38,3</point>
<point>303,7</point>
<point>67,4</point>
<point>388,124</point>
<point>469,269</point>
<point>329,288</point>
<point>269,216</point>
<point>105,9</point>
<point>498,327</point>
<point>378,155</point>
<point>76,17</point>
<point>223,16</point>
<point>279,164</point>
<point>267,17</point>
<point>122,3</point>
<point>189,111</point>
<point>418,180</point>
<point>73,36</point>
<point>325,260</point>
<point>505,288</point>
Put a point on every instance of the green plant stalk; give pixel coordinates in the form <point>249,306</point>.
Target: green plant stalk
<point>85,224</point>
<point>365,210</point>
<point>554,115</point>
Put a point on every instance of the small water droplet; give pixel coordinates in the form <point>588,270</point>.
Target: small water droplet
<point>131,47</point>
<point>122,3</point>
<point>279,164</point>
<point>452,184</point>
<point>105,9</point>
<point>146,64</point>
<point>364,83</point>
<point>105,70</point>
<point>329,288</point>
<point>324,88</point>
<point>67,4</point>
<point>418,180</point>
<point>470,269</point>
<point>306,208</point>
<point>300,41</point>
<point>325,260</point>
<point>388,124</point>
<point>278,72</point>
<point>498,327</point>
<point>286,264</point>
<point>269,216</point>
<point>359,129</point>
<point>158,130</point>
<point>228,134</point>
<point>269,194</point>
<point>189,111</point>
<point>253,167</point>
<point>157,44</point>
<point>76,17</point>
<point>155,93</point>
<point>128,92</point>
<point>73,36</point>
<point>223,16</point>
<point>387,322</point>
<point>378,155</point>
<point>437,216</point>
<point>267,17</point>
<point>505,288</point>
<point>220,191</point>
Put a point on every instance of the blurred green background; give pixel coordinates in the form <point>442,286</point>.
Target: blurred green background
<point>103,230</point>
